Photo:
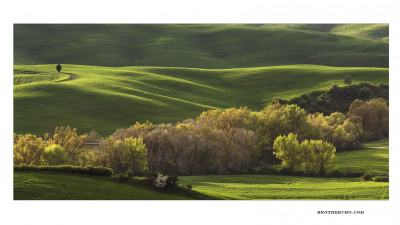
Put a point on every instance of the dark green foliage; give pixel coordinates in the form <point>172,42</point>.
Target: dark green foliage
<point>88,170</point>
<point>338,99</point>
<point>366,177</point>
<point>382,178</point>
<point>347,79</point>
<point>172,180</point>
<point>151,175</point>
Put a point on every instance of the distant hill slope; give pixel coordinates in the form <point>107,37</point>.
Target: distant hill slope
<point>202,46</point>
<point>378,32</point>
<point>107,98</point>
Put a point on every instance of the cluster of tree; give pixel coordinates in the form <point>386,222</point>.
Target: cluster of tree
<point>217,142</point>
<point>336,129</point>
<point>310,156</point>
<point>372,116</point>
<point>123,156</point>
<point>64,147</point>
<point>207,145</point>
<point>338,99</point>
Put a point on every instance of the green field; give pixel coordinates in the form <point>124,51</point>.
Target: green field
<point>374,160</point>
<point>285,187</point>
<point>107,98</point>
<point>202,45</point>
<point>125,73</point>
<point>59,186</point>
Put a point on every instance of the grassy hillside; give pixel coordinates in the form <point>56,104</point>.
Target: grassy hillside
<point>373,159</point>
<point>58,186</point>
<point>201,46</point>
<point>285,187</point>
<point>107,98</point>
<point>368,31</point>
<point>378,32</point>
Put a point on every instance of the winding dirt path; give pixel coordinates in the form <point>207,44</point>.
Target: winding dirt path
<point>72,76</point>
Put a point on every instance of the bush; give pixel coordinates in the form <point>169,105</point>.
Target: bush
<point>89,170</point>
<point>161,182</point>
<point>382,178</point>
<point>172,180</point>
<point>54,155</point>
<point>366,177</point>
<point>164,182</point>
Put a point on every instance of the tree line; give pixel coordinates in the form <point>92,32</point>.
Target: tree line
<point>234,140</point>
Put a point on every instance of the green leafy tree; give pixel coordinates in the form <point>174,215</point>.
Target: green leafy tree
<point>287,149</point>
<point>135,155</point>
<point>318,156</point>
<point>278,119</point>
<point>28,149</point>
<point>68,138</point>
<point>112,154</point>
<point>54,155</point>
<point>372,116</point>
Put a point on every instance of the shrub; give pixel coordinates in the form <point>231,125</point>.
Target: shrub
<point>382,178</point>
<point>172,180</point>
<point>347,79</point>
<point>366,177</point>
<point>89,170</point>
<point>161,182</point>
<point>54,155</point>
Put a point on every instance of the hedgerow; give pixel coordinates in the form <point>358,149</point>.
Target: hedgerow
<point>88,170</point>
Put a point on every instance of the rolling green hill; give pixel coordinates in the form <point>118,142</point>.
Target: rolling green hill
<point>379,32</point>
<point>202,46</point>
<point>107,98</point>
